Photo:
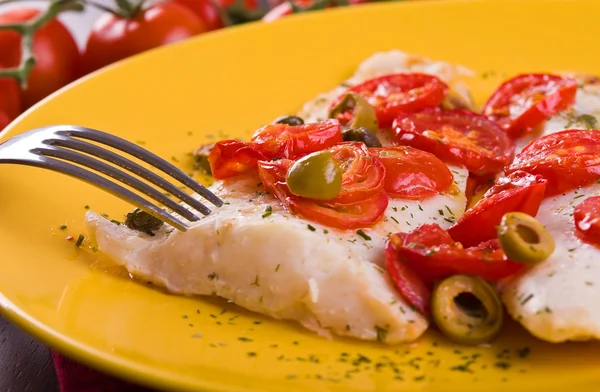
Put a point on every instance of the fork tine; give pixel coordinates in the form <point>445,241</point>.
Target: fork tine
<point>143,154</point>
<point>105,184</point>
<point>117,174</point>
<point>132,167</point>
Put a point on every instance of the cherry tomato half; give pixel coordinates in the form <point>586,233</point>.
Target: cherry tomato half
<point>567,159</point>
<point>433,255</point>
<point>391,95</point>
<point>518,192</point>
<point>285,141</point>
<point>231,157</point>
<point>114,38</point>
<point>411,173</point>
<point>410,285</point>
<point>587,220</point>
<point>526,101</point>
<point>54,48</point>
<point>361,203</point>
<point>458,136</point>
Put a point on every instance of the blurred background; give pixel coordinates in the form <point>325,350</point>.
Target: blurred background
<point>46,44</point>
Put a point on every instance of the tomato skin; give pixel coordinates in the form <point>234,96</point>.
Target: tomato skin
<point>410,285</point>
<point>231,157</point>
<point>587,220</point>
<point>433,255</point>
<point>362,202</point>
<point>411,173</point>
<point>207,11</point>
<point>518,192</point>
<point>534,98</point>
<point>55,50</point>
<point>114,38</point>
<point>391,95</point>
<point>285,141</point>
<point>458,136</point>
<point>10,100</point>
<point>566,159</point>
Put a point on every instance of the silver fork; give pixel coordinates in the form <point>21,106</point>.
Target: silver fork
<point>41,147</point>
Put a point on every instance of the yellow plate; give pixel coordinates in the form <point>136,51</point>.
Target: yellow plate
<point>229,83</point>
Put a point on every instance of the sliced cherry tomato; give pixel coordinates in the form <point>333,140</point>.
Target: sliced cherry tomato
<point>362,177</point>
<point>457,136</point>
<point>411,173</point>
<point>433,255</point>
<point>526,101</point>
<point>361,203</point>
<point>410,285</point>
<point>54,48</point>
<point>114,38</point>
<point>391,95</point>
<point>207,10</point>
<point>285,141</point>
<point>567,159</point>
<point>231,157</point>
<point>587,220</point>
<point>518,192</point>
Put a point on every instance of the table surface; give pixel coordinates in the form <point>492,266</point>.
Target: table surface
<point>25,364</point>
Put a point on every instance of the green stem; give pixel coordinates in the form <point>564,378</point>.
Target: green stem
<point>27,31</point>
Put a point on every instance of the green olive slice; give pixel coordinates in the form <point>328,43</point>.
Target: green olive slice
<point>524,239</point>
<point>315,176</point>
<point>363,114</point>
<point>467,309</point>
<point>361,135</point>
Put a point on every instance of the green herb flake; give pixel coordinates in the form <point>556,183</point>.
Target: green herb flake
<point>441,212</point>
<point>396,209</point>
<point>255,283</point>
<point>268,212</point>
<point>277,268</point>
<point>325,231</point>
<point>244,339</point>
<point>63,227</point>
<point>381,333</point>
<point>363,235</point>
<point>251,354</point>
<point>87,207</point>
<point>394,219</point>
<point>420,208</point>
<point>213,276</point>
<point>310,227</point>
<point>523,352</point>
<point>502,365</point>
<point>79,240</point>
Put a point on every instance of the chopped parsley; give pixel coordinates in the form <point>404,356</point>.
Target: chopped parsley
<point>310,227</point>
<point>394,219</point>
<point>244,339</point>
<point>363,235</point>
<point>63,227</point>
<point>277,268</point>
<point>381,333</point>
<point>255,283</point>
<point>325,231</point>
<point>79,240</point>
<point>213,276</point>
<point>268,212</point>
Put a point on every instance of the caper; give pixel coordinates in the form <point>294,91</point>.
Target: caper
<point>524,239</point>
<point>142,221</point>
<point>363,114</point>
<point>289,120</point>
<point>361,135</point>
<point>467,309</point>
<point>315,176</point>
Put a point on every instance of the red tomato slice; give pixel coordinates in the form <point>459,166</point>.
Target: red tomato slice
<point>411,173</point>
<point>393,94</point>
<point>457,136</point>
<point>587,220</point>
<point>361,203</point>
<point>519,192</point>
<point>526,101</point>
<point>433,255</point>
<point>567,159</point>
<point>231,157</point>
<point>410,285</point>
<point>285,141</point>
<point>362,176</point>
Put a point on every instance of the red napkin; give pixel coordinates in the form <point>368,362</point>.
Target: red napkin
<point>74,377</point>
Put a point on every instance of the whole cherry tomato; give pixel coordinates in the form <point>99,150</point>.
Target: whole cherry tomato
<point>10,100</point>
<point>207,10</point>
<point>54,48</point>
<point>587,220</point>
<point>116,37</point>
